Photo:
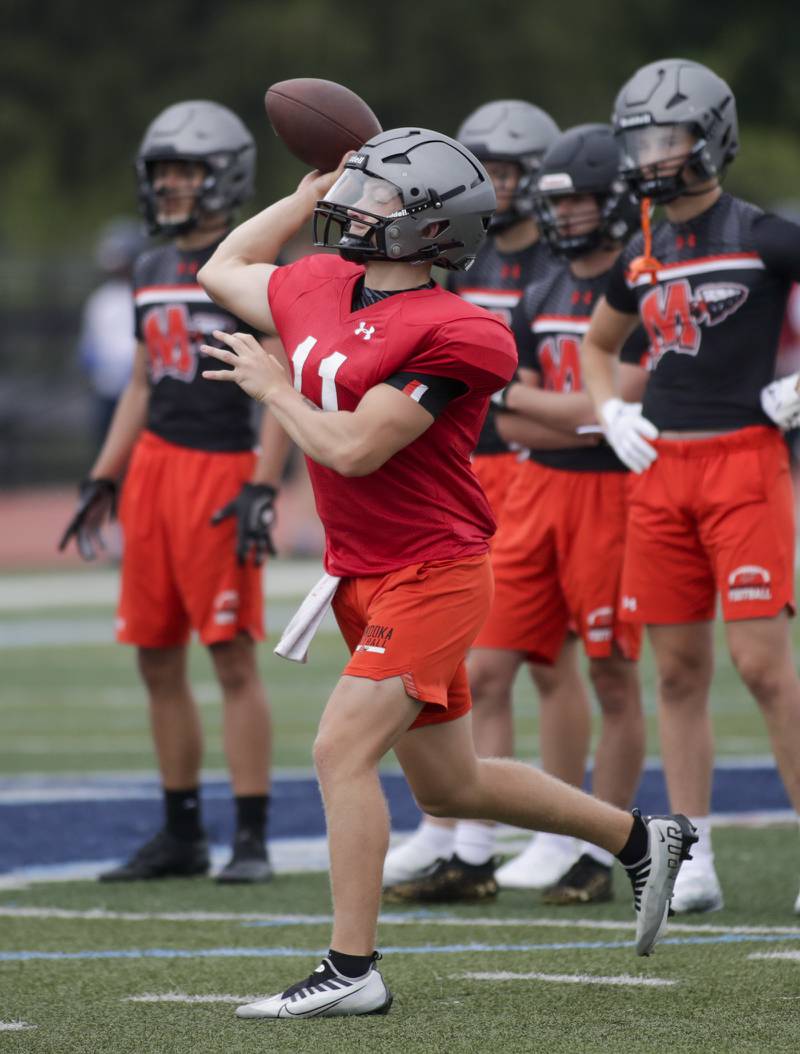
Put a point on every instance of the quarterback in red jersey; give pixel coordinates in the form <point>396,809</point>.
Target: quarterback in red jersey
<point>388,428</point>
<point>711,510</point>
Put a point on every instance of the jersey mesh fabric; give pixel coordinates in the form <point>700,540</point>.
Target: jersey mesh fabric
<point>174,317</point>
<point>425,502</point>
<point>714,314</point>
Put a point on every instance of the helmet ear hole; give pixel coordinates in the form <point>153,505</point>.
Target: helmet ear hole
<point>433,230</point>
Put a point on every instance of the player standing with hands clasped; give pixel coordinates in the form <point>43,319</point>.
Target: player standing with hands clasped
<point>402,371</point>
<point>711,505</point>
<point>197,503</point>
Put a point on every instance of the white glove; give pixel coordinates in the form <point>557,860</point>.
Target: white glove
<point>627,433</point>
<point>780,401</point>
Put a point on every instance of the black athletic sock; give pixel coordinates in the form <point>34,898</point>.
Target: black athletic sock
<point>635,849</point>
<point>251,814</point>
<point>182,808</point>
<point>351,965</point>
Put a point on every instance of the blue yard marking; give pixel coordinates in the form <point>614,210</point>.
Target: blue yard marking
<point>65,831</point>
<point>424,949</point>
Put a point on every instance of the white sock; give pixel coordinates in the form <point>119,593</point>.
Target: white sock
<point>702,851</point>
<point>436,837</point>
<point>474,842</point>
<point>602,856</point>
<point>555,843</point>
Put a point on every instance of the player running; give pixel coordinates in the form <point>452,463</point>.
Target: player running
<point>563,506</point>
<point>402,371</point>
<point>711,502</point>
<point>197,502</point>
<point>510,137</point>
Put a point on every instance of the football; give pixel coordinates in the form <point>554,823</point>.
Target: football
<point>319,120</point>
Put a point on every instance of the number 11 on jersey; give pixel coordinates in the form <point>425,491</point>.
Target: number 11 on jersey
<point>327,370</point>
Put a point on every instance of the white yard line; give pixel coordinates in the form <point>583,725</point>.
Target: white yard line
<point>622,980</point>
<point>421,918</point>
<point>15,1026</point>
<point>791,956</point>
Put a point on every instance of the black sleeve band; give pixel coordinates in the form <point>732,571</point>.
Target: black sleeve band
<point>618,294</point>
<point>433,393</point>
<point>778,244</point>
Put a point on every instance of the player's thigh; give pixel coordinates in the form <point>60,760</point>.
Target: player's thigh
<point>762,648</point>
<point>363,719</point>
<point>439,762</point>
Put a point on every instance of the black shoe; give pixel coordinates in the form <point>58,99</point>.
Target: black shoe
<point>250,861</point>
<point>164,856</point>
<point>587,882</point>
<point>449,881</point>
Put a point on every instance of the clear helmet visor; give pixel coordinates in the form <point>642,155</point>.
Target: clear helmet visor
<point>659,149</point>
<point>360,192</point>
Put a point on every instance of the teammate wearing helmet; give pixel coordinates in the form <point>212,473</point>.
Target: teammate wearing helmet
<point>403,370</point>
<point>510,137</point>
<point>197,503</point>
<point>562,503</point>
<point>711,502</point>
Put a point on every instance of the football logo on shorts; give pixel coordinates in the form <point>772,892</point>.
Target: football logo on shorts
<point>600,624</point>
<point>749,582</point>
<point>375,639</point>
<point>226,607</point>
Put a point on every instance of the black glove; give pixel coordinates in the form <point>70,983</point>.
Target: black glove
<point>254,510</point>
<point>97,501</point>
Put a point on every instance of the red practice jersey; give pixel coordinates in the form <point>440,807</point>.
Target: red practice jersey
<point>424,503</point>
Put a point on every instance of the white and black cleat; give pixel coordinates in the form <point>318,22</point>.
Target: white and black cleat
<point>325,993</point>
<point>669,840</point>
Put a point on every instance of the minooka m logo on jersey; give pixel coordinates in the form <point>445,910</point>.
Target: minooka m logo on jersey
<point>674,313</point>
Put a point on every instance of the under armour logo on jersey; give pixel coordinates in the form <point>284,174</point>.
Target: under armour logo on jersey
<point>364,330</point>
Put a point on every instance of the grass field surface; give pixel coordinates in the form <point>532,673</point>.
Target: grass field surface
<point>159,967</point>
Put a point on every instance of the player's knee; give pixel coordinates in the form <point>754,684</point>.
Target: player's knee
<point>490,685</point>
<point>615,687</point>
<point>163,671</point>
<point>679,681</point>
<point>762,677</point>
<point>235,667</point>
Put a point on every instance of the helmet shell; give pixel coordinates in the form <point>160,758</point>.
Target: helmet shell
<point>199,130</point>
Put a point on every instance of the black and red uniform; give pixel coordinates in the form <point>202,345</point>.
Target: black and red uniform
<point>711,515</point>
<point>558,554</point>
<point>179,572</point>
<point>495,282</point>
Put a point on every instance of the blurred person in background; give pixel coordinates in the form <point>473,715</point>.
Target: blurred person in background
<point>197,504</point>
<point>107,344</point>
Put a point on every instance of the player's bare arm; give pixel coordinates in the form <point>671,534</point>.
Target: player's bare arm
<point>600,348</point>
<point>127,423</point>
<point>237,275</point>
<point>351,443</point>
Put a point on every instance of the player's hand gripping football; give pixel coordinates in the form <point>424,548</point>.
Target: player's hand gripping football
<point>780,401</point>
<point>254,509</point>
<point>627,433</point>
<point>97,502</point>
<point>253,369</point>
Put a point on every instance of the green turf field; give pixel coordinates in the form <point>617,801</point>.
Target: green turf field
<point>706,992</point>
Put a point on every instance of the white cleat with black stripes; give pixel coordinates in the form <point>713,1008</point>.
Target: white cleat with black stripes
<point>325,993</point>
<point>653,879</point>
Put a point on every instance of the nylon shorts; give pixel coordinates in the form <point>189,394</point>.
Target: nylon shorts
<point>557,564</point>
<point>417,624</point>
<point>711,517</point>
<point>178,571</point>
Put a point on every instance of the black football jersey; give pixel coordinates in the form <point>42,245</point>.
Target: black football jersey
<point>548,324</point>
<point>713,315</point>
<point>495,282</point>
<point>174,316</point>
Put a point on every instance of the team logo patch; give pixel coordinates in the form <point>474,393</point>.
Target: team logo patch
<point>226,607</point>
<point>749,582</point>
<point>375,639</point>
<point>600,624</point>
<point>629,603</point>
<point>365,331</point>
<point>674,313</point>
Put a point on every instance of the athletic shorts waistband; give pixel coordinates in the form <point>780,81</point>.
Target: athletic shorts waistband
<point>751,438</point>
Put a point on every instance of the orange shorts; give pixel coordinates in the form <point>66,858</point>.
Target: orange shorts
<point>495,473</point>
<point>418,624</point>
<point>557,562</point>
<point>178,572</point>
<point>711,515</point>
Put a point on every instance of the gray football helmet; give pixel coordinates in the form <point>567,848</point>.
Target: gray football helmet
<point>584,160</point>
<point>510,130</point>
<point>395,188</point>
<point>198,130</point>
<point>665,109</point>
